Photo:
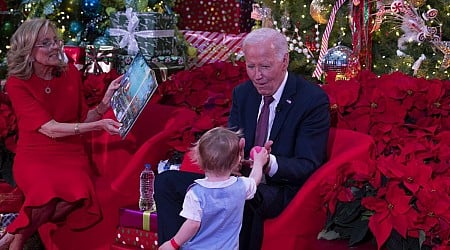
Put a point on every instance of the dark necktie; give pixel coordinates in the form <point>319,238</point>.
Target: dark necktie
<point>263,122</point>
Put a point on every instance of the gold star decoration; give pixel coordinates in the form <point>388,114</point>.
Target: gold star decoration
<point>444,46</point>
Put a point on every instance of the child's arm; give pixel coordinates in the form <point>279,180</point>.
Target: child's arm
<point>259,160</point>
<point>186,232</point>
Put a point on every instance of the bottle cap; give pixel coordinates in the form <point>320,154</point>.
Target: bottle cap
<point>148,166</point>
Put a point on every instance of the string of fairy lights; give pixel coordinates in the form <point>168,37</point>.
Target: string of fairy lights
<point>303,22</point>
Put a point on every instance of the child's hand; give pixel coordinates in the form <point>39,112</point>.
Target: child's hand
<point>260,156</point>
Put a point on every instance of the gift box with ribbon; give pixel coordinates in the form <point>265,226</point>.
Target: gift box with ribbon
<point>214,46</point>
<point>152,33</point>
<point>132,237</point>
<point>100,59</point>
<point>75,55</point>
<point>164,66</point>
<point>134,218</point>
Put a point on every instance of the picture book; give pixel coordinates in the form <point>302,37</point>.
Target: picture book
<point>136,88</point>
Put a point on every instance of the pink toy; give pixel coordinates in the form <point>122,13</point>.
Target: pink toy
<point>252,151</point>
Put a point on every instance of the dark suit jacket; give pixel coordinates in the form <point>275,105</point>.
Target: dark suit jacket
<point>299,132</point>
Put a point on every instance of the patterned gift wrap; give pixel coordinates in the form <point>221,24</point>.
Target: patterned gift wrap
<point>117,246</point>
<point>225,16</point>
<point>100,59</point>
<point>134,218</point>
<point>214,46</point>
<point>6,219</point>
<point>132,237</point>
<point>164,66</point>
<point>150,32</point>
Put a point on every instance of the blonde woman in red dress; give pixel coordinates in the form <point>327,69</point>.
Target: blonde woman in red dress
<point>51,166</point>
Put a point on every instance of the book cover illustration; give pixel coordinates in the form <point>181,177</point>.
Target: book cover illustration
<point>136,88</point>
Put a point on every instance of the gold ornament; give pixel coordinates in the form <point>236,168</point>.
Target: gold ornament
<point>444,46</point>
<point>319,11</point>
<point>418,3</point>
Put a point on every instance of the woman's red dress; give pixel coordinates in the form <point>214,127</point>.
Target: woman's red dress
<point>52,168</point>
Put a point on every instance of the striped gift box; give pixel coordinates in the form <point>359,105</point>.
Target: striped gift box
<point>214,46</point>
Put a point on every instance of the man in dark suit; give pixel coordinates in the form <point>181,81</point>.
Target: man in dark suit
<point>297,134</point>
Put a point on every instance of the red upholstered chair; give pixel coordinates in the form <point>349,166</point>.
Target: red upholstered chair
<point>118,165</point>
<point>299,224</point>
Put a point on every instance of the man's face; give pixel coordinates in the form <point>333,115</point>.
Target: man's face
<point>264,68</point>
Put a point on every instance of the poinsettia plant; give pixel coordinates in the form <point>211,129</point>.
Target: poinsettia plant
<point>402,197</point>
<point>207,91</point>
<point>8,137</point>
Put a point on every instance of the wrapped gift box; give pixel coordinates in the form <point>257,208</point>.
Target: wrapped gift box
<point>75,55</point>
<point>164,66</point>
<point>135,238</point>
<point>134,218</point>
<point>226,16</point>
<point>214,46</point>
<point>100,59</point>
<point>118,246</point>
<point>152,33</point>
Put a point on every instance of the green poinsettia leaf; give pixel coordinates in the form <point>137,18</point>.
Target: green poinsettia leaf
<point>359,232</point>
<point>347,212</point>
<point>6,162</point>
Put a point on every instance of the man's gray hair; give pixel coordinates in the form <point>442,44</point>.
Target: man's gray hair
<point>267,35</point>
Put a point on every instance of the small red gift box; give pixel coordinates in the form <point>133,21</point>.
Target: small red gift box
<point>134,218</point>
<point>75,55</point>
<point>132,237</point>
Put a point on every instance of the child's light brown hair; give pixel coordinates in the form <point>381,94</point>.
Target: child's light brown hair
<point>217,150</point>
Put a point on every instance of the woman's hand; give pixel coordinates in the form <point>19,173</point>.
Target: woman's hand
<point>115,84</point>
<point>111,126</point>
<point>103,106</point>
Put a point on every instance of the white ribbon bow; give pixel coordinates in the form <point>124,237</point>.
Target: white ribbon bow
<point>129,35</point>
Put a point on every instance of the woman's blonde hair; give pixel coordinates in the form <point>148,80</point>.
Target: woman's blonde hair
<point>19,58</point>
<point>217,150</point>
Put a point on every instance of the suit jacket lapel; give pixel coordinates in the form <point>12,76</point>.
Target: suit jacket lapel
<point>284,106</point>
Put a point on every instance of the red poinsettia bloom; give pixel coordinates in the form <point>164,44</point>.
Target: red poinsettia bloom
<point>96,85</point>
<point>392,211</point>
<point>8,123</point>
<point>432,202</point>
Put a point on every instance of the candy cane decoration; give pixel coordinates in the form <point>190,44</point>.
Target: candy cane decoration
<point>326,35</point>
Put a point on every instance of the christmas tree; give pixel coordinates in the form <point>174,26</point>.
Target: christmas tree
<point>367,32</point>
<point>374,40</point>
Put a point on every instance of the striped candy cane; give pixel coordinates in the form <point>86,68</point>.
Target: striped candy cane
<point>326,35</point>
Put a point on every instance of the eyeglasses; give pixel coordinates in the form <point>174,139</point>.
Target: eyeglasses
<point>50,43</point>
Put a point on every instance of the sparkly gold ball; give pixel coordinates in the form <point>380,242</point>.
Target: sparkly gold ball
<point>319,11</point>
<point>418,3</point>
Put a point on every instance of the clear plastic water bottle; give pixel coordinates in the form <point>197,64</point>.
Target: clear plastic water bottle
<point>147,177</point>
